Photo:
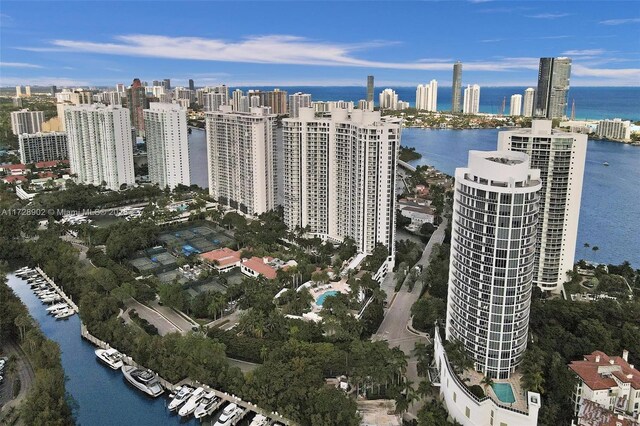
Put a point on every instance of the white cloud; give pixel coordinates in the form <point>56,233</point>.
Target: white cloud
<point>620,21</point>
<point>44,81</point>
<point>584,52</point>
<point>19,65</point>
<point>548,15</point>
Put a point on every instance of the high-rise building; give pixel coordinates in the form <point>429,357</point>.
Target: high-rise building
<point>54,89</point>
<point>527,103</point>
<point>456,88</point>
<point>27,91</point>
<point>110,98</point>
<point>493,236</point>
<point>471,99</point>
<point>137,102</point>
<point>388,99</point>
<point>120,88</point>
<point>17,102</point>
<point>515,106</point>
<point>192,85</point>
<point>99,141</point>
<point>427,96</point>
<point>167,83</point>
<point>365,105</point>
<point>296,101</point>
<point>275,99</point>
<point>370,88</point>
<point>18,91</point>
<point>553,87</point>
<point>560,157</point>
<point>339,176</point>
<point>167,145</point>
<point>25,121</point>
<point>37,147</point>
<point>614,129</point>
<point>242,161</point>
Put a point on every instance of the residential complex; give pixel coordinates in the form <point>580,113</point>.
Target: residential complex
<point>297,101</point>
<point>456,95</point>
<point>25,121</point>
<point>99,140</point>
<point>36,147</point>
<point>614,129</point>
<point>427,96</point>
<point>370,89</point>
<point>495,214</point>
<point>339,176</point>
<point>515,106</point>
<point>560,157</point>
<point>527,102</point>
<point>608,381</point>
<point>471,99</point>
<point>553,87</point>
<point>167,144</point>
<point>137,102</point>
<point>388,99</point>
<point>241,156</point>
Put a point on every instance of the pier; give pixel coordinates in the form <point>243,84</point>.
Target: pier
<point>66,298</point>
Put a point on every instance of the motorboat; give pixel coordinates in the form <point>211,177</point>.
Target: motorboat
<point>606,163</point>
<point>259,420</point>
<point>180,397</point>
<point>228,414</point>
<point>61,307</point>
<point>192,403</point>
<point>47,294</point>
<point>207,406</point>
<point>64,314</point>
<point>144,380</point>
<point>111,357</point>
<point>23,272</point>
<point>52,299</point>
<point>57,307</point>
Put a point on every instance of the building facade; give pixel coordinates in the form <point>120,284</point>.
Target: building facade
<point>560,157</point>
<point>471,99</point>
<point>137,102</point>
<point>297,101</point>
<point>37,147</point>
<point>167,144</point>
<point>553,86</point>
<point>515,106</point>
<point>370,88</point>
<point>495,214</point>
<point>614,129</point>
<point>527,102</point>
<point>456,95</point>
<point>427,96</point>
<point>99,141</point>
<point>241,155</point>
<point>339,176</point>
<point>388,99</point>
<point>25,121</point>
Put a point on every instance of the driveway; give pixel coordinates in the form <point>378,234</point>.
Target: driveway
<point>24,372</point>
<point>164,325</point>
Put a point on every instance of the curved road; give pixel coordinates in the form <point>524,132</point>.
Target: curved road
<point>24,371</point>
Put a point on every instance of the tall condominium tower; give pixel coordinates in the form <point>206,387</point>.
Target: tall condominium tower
<point>427,96</point>
<point>25,121</point>
<point>495,214</point>
<point>167,83</point>
<point>297,101</point>
<point>388,99</point>
<point>339,176</point>
<point>515,106</point>
<point>18,91</point>
<point>192,85</point>
<point>370,89</point>
<point>27,91</point>
<point>120,88</point>
<point>167,145</point>
<point>527,103</point>
<point>471,99</point>
<point>99,140</point>
<point>553,87</point>
<point>54,89</point>
<point>137,103</point>
<point>37,147</point>
<point>456,95</point>
<point>560,157</point>
<point>241,155</point>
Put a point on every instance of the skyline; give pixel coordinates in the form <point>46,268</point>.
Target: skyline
<point>416,42</point>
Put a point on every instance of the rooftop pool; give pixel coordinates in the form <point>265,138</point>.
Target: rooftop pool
<point>320,300</point>
<point>504,392</point>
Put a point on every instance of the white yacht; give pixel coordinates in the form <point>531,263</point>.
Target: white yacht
<point>207,405</point>
<point>52,299</point>
<point>64,314</point>
<point>144,380</point>
<point>229,413</point>
<point>180,398</point>
<point>57,307</point>
<point>193,402</point>
<point>111,357</point>
<point>259,420</point>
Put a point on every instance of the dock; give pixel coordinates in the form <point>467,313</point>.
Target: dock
<point>66,298</point>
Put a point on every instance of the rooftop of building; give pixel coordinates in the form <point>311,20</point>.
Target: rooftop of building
<point>598,369</point>
<point>223,257</point>
<point>505,160</point>
<point>593,414</point>
<point>260,265</point>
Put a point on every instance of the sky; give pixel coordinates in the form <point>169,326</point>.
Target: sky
<point>305,43</point>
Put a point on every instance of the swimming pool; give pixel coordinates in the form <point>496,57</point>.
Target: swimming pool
<point>504,392</point>
<point>324,295</point>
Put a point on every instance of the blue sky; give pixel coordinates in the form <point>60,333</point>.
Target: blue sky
<point>79,43</point>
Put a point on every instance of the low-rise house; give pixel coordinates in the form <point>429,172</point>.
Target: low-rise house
<point>417,210</point>
<point>223,259</point>
<point>14,169</point>
<point>592,414</point>
<point>265,266</point>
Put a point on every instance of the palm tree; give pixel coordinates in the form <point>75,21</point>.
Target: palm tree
<point>424,388</point>
<point>595,248</point>
<point>587,245</point>
<point>486,382</point>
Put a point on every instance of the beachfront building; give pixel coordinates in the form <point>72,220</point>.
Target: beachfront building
<point>99,141</point>
<point>471,99</point>
<point>388,99</point>
<point>339,176</point>
<point>167,145</point>
<point>614,129</point>
<point>296,101</point>
<point>37,147</point>
<point>495,215</point>
<point>560,157</point>
<point>456,89</point>
<point>515,106</point>
<point>241,156</point>
<point>427,96</point>
<point>25,121</point>
<point>553,87</point>
<point>527,102</point>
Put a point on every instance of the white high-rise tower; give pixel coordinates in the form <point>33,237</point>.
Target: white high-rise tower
<point>297,101</point>
<point>560,157</point>
<point>471,99</point>
<point>527,103</point>
<point>515,106</point>
<point>493,236</point>
<point>427,96</point>
<point>167,144</point>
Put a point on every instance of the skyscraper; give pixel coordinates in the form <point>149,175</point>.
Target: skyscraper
<point>37,147</point>
<point>27,91</point>
<point>553,87</point>
<point>339,176</point>
<point>241,156</point>
<point>370,88</point>
<point>471,99</point>
<point>515,106</point>
<point>120,88</point>
<point>527,107</point>
<point>25,121</point>
<point>54,89</point>
<point>99,140</point>
<point>167,144</point>
<point>167,83</point>
<point>427,96</point>
<point>18,91</point>
<point>560,157</point>
<point>296,101</point>
<point>495,214</point>
<point>456,87</point>
<point>192,85</point>
<point>137,103</point>
<point>388,99</point>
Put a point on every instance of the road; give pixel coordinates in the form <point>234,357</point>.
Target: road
<point>24,372</point>
<point>164,325</point>
<point>394,326</point>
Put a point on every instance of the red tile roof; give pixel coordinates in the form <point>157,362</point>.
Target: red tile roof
<point>222,257</point>
<point>12,179</point>
<point>588,371</point>
<point>14,167</point>
<point>258,265</point>
<point>48,164</point>
<point>592,414</point>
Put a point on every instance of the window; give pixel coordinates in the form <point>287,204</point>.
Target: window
<point>467,412</point>
<point>455,397</point>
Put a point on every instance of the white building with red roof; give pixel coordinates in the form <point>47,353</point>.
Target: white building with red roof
<point>610,382</point>
<point>223,259</point>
